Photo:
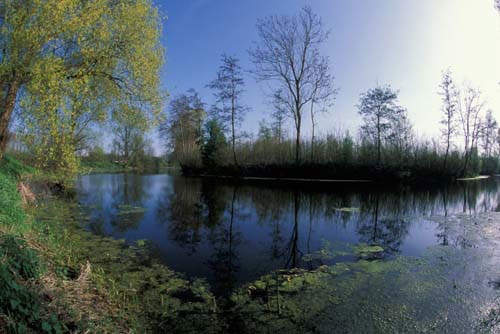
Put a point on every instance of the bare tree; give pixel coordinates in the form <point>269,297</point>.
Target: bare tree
<point>448,92</point>
<point>488,133</point>
<point>323,93</point>
<point>288,53</point>
<point>470,106</point>
<point>402,136</point>
<point>278,117</point>
<point>228,88</point>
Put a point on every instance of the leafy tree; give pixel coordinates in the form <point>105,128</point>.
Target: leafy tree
<point>56,135</point>
<point>129,130</point>
<point>265,131</point>
<point>228,87</point>
<point>63,53</point>
<point>347,149</point>
<point>380,111</point>
<point>288,53</point>
<point>401,137</point>
<point>184,127</point>
<point>214,145</point>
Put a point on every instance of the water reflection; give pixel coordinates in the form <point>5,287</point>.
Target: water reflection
<point>231,233</point>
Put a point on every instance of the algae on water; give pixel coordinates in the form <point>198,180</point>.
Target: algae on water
<point>126,209</point>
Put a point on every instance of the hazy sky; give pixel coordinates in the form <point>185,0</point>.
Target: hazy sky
<point>404,43</point>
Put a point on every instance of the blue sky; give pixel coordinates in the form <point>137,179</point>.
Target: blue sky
<point>404,43</point>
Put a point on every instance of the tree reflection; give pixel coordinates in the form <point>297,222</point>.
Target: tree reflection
<point>294,252</point>
<point>182,213</point>
<point>385,230</point>
<point>115,200</point>
<point>224,261</point>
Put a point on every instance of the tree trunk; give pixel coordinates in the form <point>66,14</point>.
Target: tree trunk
<point>447,152</point>
<point>297,144</point>
<point>298,123</point>
<point>466,164</point>
<point>379,142</point>
<point>313,128</point>
<point>233,110</point>
<point>6,108</point>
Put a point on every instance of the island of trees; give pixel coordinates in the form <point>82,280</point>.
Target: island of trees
<point>207,140</point>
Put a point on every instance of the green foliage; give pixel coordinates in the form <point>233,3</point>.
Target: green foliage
<point>381,114</point>
<point>184,127</point>
<point>21,306</point>
<point>76,62</point>
<point>19,257</point>
<point>214,145</point>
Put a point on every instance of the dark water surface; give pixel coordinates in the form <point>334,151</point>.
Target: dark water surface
<point>230,233</point>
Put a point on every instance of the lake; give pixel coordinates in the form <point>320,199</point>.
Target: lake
<point>233,233</point>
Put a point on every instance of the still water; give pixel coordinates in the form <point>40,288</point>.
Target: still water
<point>231,233</point>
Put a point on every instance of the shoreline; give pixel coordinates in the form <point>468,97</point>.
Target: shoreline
<point>284,179</point>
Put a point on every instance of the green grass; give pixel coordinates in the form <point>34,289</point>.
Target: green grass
<point>12,216</point>
<point>88,167</point>
<point>23,309</point>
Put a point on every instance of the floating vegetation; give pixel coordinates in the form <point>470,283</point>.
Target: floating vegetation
<point>126,209</point>
<point>447,290</point>
<point>347,209</point>
<point>328,252</point>
<point>368,252</point>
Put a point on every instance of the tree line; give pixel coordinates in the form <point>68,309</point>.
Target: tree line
<point>287,57</point>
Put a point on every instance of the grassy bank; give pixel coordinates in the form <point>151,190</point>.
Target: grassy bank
<point>105,167</point>
<point>55,277</point>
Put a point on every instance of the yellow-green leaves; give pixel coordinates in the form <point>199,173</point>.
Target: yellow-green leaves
<point>78,60</point>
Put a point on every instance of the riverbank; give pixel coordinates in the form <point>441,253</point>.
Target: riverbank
<point>56,277</point>
<point>309,172</point>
